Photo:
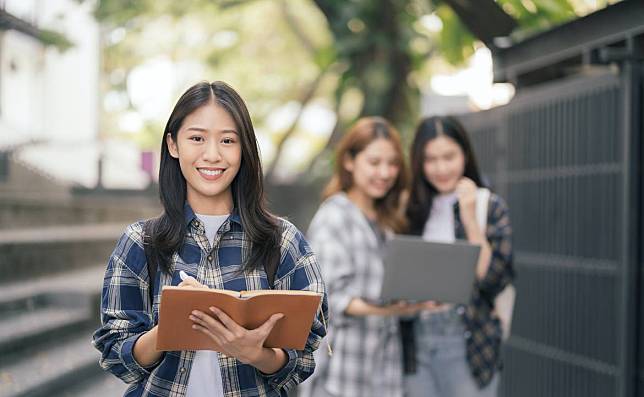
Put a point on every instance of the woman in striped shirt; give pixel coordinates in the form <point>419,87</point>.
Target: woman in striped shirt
<point>362,205</point>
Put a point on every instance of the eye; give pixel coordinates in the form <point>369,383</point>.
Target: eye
<point>196,138</point>
<point>228,140</point>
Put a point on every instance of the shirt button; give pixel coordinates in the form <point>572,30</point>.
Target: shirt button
<point>209,258</point>
<point>182,370</point>
<point>467,334</point>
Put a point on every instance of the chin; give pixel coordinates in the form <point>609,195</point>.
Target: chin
<point>210,191</point>
<point>378,194</point>
<point>445,189</point>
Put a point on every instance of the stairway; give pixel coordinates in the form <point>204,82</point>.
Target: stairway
<point>50,285</point>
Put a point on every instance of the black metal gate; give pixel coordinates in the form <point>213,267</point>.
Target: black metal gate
<point>566,155</point>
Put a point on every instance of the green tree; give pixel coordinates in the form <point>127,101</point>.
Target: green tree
<point>365,56</point>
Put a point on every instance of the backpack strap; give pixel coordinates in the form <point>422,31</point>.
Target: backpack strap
<point>152,270</point>
<point>271,267</point>
<point>271,270</point>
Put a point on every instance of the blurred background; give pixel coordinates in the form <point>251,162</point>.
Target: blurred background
<point>550,90</point>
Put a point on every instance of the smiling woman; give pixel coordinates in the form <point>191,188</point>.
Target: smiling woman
<point>348,232</point>
<point>215,228</point>
<point>209,153</point>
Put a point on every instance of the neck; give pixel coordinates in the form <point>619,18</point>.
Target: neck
<point>219,205</point>
<point>362,201</point>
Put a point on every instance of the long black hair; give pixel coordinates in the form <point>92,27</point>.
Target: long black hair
<point>422,193</point>
<point>165,234</point>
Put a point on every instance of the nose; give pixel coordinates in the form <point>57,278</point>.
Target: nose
<point>211,151</point>
<point>441,167</point>
<point>386,171</point>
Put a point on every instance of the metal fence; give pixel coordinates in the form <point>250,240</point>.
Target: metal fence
<point>566,157</point>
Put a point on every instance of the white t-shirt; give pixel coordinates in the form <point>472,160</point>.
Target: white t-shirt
<point>205,374</point>
<point>440,223</point>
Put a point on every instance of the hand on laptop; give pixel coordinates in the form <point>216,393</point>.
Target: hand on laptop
<point>404,308</point>
<point>431,305</point>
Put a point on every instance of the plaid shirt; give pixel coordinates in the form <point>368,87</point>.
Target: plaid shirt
<point>484,341</point>
<point>127,314</point>
<point>366,358</point>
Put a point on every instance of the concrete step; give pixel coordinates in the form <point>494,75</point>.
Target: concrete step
<point>23,211</point>
<point>50,370</point>
<point>35,312</point>
<point>52,290</point>
<point>29,253</point>
<point>104,384</point>
<point>27,329</point>
<point>46,324</point>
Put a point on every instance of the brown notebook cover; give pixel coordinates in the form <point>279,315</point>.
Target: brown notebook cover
<point>250,309</point>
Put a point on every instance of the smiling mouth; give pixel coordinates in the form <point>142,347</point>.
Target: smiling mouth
<point>210,172</point>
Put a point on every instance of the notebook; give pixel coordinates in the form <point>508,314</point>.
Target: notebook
<point>249,309</point>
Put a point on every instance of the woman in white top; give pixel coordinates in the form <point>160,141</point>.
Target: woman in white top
<point>457,347</point>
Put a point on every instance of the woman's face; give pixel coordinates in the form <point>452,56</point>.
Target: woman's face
<point>444,163</point>
<point>209,151</point>
<point>375,168</point>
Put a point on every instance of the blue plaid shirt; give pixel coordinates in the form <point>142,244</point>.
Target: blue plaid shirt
<point>126,313</point>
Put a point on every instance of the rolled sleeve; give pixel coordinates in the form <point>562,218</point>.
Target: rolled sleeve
<point>125,310</point>
<point>127,357</point>
<point>282,378</point>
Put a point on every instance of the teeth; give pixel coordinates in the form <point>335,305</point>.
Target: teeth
<point>211,172</point>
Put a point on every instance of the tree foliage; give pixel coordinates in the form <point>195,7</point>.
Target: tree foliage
<point>361,56</point>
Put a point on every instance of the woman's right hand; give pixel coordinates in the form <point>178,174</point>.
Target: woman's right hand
<point>189,281</point>
<point>403,308</point>
<point>359,307</point>
<point>145,352</point>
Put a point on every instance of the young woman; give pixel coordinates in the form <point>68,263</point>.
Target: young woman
<point>214,228</point>
<point>457,346</point>
<point>362,205</point>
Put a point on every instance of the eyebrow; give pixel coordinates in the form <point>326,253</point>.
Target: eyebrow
<point>201,129</point>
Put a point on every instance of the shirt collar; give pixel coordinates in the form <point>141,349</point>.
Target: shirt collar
<point>189,215</point>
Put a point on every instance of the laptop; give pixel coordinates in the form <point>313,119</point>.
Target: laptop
<point>420,270</point>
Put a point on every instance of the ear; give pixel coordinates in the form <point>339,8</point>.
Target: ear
<point>348,162</point>
<point>172,146</point>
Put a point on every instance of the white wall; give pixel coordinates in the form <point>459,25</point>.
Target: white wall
<point>21,65</point>
<point>71,79</point>
<point>47,94</point>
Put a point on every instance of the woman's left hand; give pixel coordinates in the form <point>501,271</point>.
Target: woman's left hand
<point>466,194</point>
<point>234,340</point>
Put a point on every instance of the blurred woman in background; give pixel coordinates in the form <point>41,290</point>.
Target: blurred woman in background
<point>362,205</point>
<point>458,346</point>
